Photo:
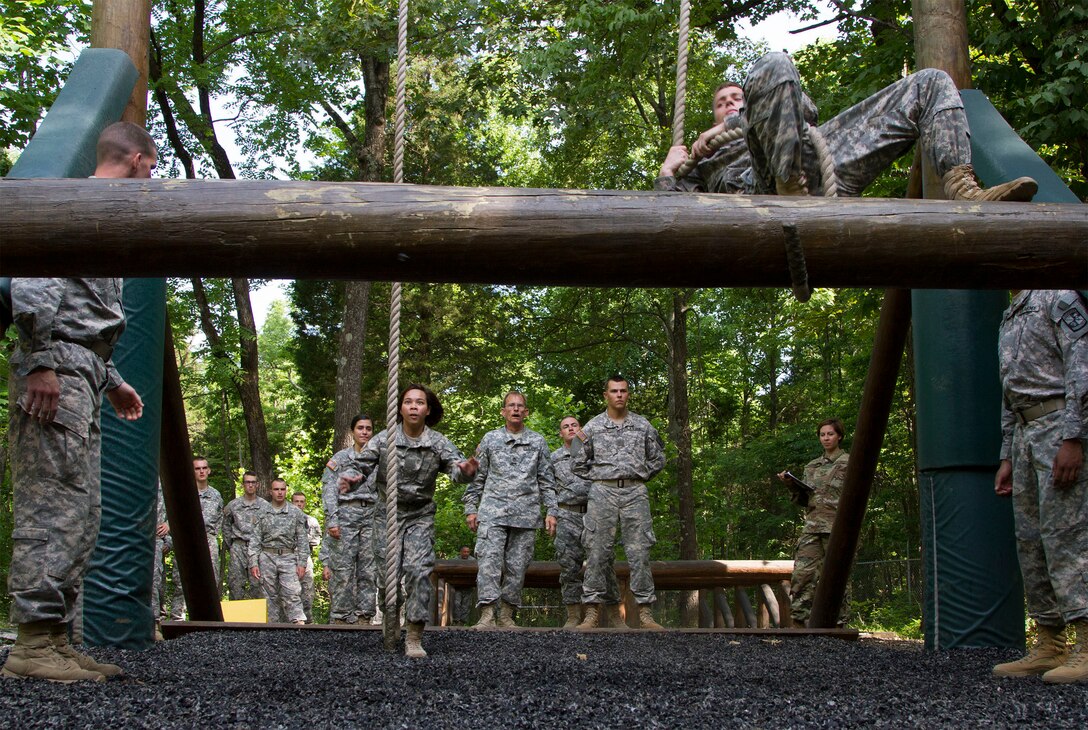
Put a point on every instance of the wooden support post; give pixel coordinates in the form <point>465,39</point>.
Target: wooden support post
<point>721,601</point>
<point>126,25</point>
<point>706,608</point>
<point>180,496</point>
<point>770,604</point>
<point>785,605</point>
<point>876,403</point>
<point>745,607</point>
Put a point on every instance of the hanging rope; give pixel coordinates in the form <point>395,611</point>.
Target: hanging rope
<point>681,74</point>
<point>391,624</point>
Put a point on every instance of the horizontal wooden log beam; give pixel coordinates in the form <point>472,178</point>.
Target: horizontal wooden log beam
<point>375,231</point>
<point>668,574</point>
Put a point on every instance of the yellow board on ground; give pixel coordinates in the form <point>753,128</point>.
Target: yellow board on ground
<point>249,611</point>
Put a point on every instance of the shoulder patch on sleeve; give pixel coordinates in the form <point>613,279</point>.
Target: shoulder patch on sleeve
<point>582,436</point>
<point>332,465</point>
<point>1071,315</point>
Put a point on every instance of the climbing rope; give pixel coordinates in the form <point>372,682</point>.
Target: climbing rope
<point>391,623</point>
<point>681,74</point>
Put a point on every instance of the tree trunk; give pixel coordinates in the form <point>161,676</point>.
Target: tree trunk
<point>680,433</point>
<point>349,358</point>
<point>249,389</point>
<point>369,156</point>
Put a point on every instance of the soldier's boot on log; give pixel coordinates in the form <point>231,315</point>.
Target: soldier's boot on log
<point>960,183</point>
<point>590,617</point>
<point>58,633</point>
<point>574,615</point>
<point>413,641</point>
<point>158,632</point>
<point>1049,652</point>
<point>646,617</point>
<point>794,185</point>
<point>487,617</point>
<point>1075,668</point>
<point>33,655</point>
<point>506,616</point>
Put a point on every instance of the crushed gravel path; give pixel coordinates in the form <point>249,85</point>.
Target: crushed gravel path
<point>294,679</point>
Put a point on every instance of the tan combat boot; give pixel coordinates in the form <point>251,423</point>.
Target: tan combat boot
<point>795,185</point>
<point>413,642</point>
<point>1075,668</point>
<point>646,617</point>
<point>1048,652</point>
<point>574,615</point>
<point>590,616</point>
<point>487,617</point>
<point>960,183</point>
<point>34,656</point>
<point>506,616</point>
<point>58,633</point>
<point>158,632</point>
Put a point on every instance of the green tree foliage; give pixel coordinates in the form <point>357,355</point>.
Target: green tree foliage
<point>35,38</point>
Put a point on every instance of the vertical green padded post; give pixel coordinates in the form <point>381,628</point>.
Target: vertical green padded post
<point>974,593</point>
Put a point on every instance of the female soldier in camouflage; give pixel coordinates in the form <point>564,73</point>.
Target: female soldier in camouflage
<point>423,453</point>
<point>825,475</point>
<point>349,521</point>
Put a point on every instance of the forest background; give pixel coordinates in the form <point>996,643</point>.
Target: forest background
<point>525,93</point>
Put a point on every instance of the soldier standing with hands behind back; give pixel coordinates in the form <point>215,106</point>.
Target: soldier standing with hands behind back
<point>513,481</point>
<point>620,451</point>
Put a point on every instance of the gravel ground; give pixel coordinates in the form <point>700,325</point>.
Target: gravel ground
<point>292,679</point>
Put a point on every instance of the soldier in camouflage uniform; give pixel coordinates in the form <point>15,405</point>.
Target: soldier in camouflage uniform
<point>502,505</point>
<point>618,451</point>
<point>313,537</point>
<point>826,475</point>
<point>59,371</point>
<point>277,555</point>
<point>350,521</point>
<point>163,545</point>
<point>211,508</point>
<point>239,516</point>
<point>572,493</point>
<point>1043,351</point>
<point>422,453</point>
<point>463,599</point>
<point>777,155</point>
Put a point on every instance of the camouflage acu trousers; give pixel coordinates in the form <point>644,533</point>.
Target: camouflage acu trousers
<point>241,584</point>
<point>306,582</point>
<point>279,580</point>
<point>570,553</point>
<point>503,555</point>
<point>162,546</point>
<point>353,564</point>
<point>415,528</point>
<point>1051,525</point>
<point>864,140</point>
<point>56,473</point>
<point>177,605</point>
<point>628,508</point>
<point>808,561</point>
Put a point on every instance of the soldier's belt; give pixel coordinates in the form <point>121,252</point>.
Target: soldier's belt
<point>621,482</point>
<point>278,551</point>
<point>579,508</point>
<point>1026,415</point>
<point>98,347</point>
